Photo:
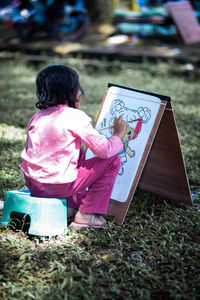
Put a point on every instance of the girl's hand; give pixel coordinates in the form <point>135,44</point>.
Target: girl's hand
<point>119,127</point>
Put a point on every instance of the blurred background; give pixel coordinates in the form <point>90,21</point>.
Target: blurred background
<point>112,28</point>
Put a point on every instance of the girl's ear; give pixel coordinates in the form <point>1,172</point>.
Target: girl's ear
<point>77,104</point>
<point>78,99</point>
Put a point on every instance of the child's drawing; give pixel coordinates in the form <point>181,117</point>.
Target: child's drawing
<point>139,110</point>
<point>134,119</point>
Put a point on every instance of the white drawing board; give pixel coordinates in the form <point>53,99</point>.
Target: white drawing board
<point>139,110</point>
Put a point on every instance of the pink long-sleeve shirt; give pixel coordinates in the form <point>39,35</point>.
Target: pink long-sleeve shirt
<point>54,138</point>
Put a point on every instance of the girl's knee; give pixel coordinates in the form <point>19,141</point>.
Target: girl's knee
<point>116,162</point>
<point>117,158</point>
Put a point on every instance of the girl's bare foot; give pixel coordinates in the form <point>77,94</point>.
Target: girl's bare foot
<point>89,219</point>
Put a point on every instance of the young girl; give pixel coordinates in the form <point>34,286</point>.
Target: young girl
<point>53,161</point>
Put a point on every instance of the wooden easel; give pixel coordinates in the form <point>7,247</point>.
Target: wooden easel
<point>161,169</point>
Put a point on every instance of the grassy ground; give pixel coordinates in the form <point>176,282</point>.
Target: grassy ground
<point>155,254</point>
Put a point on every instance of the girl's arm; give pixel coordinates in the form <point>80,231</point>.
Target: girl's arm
<point>99,144</point>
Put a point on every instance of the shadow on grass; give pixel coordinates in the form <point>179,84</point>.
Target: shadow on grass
<point>152,256</point>
<point>11,176</point>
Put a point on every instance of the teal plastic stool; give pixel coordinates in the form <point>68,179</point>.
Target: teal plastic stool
<point>48,216</point>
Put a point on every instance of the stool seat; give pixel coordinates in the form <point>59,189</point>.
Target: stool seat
<point>48,216</point>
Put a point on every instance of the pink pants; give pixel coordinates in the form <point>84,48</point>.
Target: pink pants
<point>98,175</point>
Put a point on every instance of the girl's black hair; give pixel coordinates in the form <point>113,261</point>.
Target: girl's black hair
<point>57,84</point>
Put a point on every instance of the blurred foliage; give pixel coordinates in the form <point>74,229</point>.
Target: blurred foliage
<point>100,11</point>
<point>156,253</point>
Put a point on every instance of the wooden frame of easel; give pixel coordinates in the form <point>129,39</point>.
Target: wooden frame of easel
<point>161,169</point>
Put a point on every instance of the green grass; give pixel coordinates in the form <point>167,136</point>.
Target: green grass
<point>155,254</point>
